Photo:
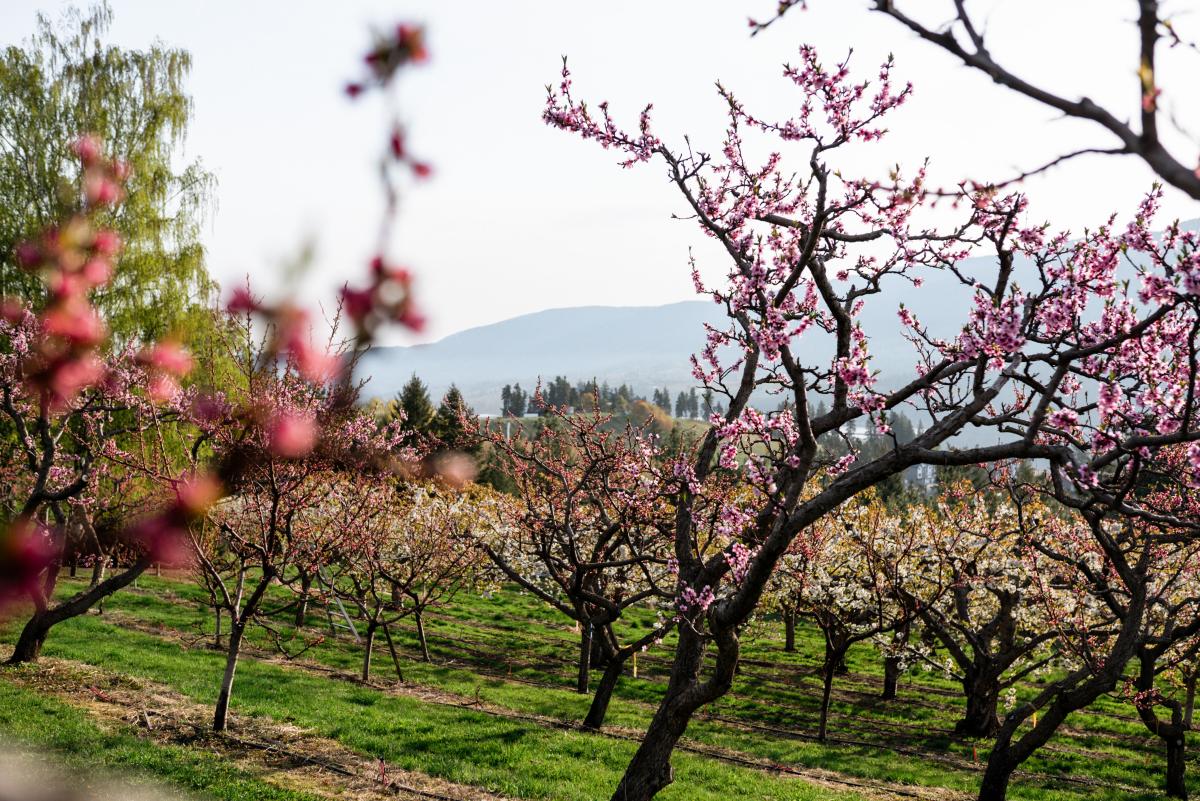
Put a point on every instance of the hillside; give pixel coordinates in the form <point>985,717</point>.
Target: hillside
<point>650,346</point>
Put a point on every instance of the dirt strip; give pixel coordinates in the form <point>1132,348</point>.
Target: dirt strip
<point>431,695</point>
<point>284,755</point>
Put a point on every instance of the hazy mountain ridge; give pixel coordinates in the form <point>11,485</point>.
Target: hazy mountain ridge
<point>650,346</point>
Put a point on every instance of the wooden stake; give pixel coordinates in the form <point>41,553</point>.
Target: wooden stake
<point>635,664</point>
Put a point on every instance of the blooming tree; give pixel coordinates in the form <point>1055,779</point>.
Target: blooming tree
<point>808,245</point>
<point>72,404</point>
<point>415,551</point>
<point>979,598</point>
<point>585,534</point>
<point>958,32</point>
<point>856,559</point>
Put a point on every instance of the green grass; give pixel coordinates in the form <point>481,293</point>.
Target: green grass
<point>516,758</point>
<point>71,736</point>
<point>478,640</point>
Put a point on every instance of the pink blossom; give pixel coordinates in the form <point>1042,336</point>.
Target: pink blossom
<point>291,434</point>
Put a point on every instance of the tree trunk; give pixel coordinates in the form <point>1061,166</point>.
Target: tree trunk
<point>421,636</point>
<point>789,630</point>
<point>368,646</point>
<point>33,637</point>
<point>1189,700</point>
<point>392,648</point>
<point>994,786</point>
<point>983,696</point>
<point>833,657</point>
<point>306,582</point>
<point>98,569</point>
<point>604,692</point>
<point>585,656</point>
<point>231,660</point>
<point>891,677</point>
<point>1176,767</point>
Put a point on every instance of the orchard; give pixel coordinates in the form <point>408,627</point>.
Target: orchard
<point>214,524</point>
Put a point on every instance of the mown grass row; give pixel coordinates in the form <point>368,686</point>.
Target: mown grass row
<point>755,699</point>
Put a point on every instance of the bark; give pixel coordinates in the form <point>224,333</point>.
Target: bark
<point>650,770</point>
<point>231,660</point>
<point>994,786</point>
<point>37,628</point>
<point>789,630</point>
<point>833,658</point>
<point>604,692</point>
<point>392,649</point>
<point>585,657</point>
<point>891,677</point>
<point>1172,732</point>
<point>421,636</point>
<point>368,646</point>
<point>1176,768</point>
<point>217,635</point>
<point>306,582</point>
<point>982,692</point>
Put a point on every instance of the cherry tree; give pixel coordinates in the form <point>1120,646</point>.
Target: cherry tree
<point>585,534</point>
<point>808,246</point>
<point>72,403</point>
<point>283,441</point>
<point>978,596</point>
<point>849,585</point>
<point>416,552</point>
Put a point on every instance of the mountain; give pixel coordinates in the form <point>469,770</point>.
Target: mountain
<point>649,346</point>
<point>644,346</point>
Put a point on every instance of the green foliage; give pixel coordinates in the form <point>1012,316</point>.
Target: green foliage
<point>64,82</point>
<point>413,401</point>
<point>448,426</point>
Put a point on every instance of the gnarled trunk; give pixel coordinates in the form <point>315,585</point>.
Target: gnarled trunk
<point>37,628</point>
<point>789,630</point>
<point>33,637</point>
<point>650,770</point>
<point>982,691</point>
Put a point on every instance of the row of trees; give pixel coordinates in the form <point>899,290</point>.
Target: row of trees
<point>1076,354</point>
<point>593,396</point>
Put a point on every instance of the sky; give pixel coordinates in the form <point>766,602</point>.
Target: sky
<point>520,217</point>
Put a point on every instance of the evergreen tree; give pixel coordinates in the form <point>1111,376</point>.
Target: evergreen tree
<point>693,401</point>
<point>414,402</point>
<point>520,401</point>
<point>448,424</point>
<point>681,404</point>
<point>506,400</point>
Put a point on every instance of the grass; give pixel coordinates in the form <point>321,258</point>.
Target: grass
<point>478,641</point>
<point>80,744</point>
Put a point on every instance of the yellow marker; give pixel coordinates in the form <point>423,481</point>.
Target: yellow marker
<point>1035,720</point>
<point>635,664</point>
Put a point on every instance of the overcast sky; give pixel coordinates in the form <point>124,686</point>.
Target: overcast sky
<point>520,217</point>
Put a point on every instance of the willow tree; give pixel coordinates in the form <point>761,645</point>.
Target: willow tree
<point>63,81</point>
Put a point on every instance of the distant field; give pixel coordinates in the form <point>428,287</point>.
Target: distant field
<point>495,715</point>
